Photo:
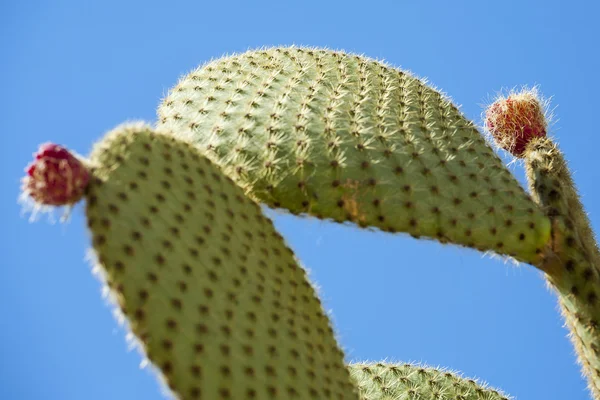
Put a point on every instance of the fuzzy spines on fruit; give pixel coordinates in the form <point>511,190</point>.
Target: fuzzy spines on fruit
<point>346,138</point>
<point>217,300</point>
<point>514,121</point>
<point>56,177</point>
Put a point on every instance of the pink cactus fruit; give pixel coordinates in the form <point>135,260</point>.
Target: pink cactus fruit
<point>515,120</point>
<point>56,177</point>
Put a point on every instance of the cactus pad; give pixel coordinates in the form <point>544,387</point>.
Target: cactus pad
<point>389,381</point>
<point>572,263</point>
<point>218,301</point>
<point>346,138</point>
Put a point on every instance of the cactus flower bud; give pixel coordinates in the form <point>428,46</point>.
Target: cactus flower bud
<point>56,177</point>
<point>515,120</point>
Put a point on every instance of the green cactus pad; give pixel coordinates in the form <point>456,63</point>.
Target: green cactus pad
<point>218,302</point>
<point>389,381</point>
<point>572,263</point>
<point>342,137</point>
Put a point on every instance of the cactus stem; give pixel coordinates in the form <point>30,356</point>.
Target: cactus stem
<point>572,263</point>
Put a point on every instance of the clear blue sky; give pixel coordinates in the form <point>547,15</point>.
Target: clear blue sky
<point>71,70</point>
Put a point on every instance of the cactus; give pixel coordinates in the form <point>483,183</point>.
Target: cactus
<point>346,138</point>
<point>572,262</point>
<point>217,300</point>
<point>389,381</point>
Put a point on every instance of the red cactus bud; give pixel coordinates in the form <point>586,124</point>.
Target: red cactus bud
<point>514,121</point>
<point>56,177</point>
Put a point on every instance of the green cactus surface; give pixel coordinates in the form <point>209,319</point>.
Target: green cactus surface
<point>216,299</point>
<point>346,138</point>
<point>572,262</point>
<point>384,381</point>
<point>218,302</point>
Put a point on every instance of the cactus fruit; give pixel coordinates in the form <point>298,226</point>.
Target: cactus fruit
<point>388,381</point>
<point>216,298</point>
<point>56,177</point>
<point>350,139</point>
<point>516,120</point>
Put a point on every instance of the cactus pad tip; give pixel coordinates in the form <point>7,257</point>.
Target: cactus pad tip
<point>515,120</point>
<point>56,177</point>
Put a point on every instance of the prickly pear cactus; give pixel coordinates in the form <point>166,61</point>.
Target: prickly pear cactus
<point>349,139</point>
<point>215,296</point>
<point>219,303</point>
<point>216,300</point>
<point>383,381</point>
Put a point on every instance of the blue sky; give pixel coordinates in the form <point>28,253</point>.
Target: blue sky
<point>72,70</point>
